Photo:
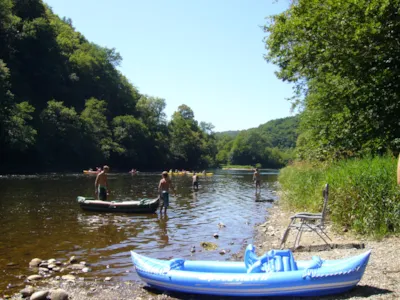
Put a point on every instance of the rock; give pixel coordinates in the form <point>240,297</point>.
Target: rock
<point>51,261</point>
<point>83,263</point>
<point>221,225</point>
<point>76,267</point>
<point>68,277</point>
<point>27,291</point>
<point>35,262</point>
<point>86,269</point>
<point>216,235</point>
<point>56,269</point>
<point>208,245</point>
<point>72,260</point>
<point>58,294</point>
<point>34,277</point>
<point>193,249</point>
<point>41,269</point>
<point>107,279</point>
<point>41,295</point>
<point>51,266</point>
<point>222,252</point>
<point>11,264</point>
<point>270,228</point>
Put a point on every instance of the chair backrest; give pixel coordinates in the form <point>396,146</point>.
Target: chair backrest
<point>325,194</point>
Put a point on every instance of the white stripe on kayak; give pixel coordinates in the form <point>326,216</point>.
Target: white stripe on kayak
<point>250,291</point>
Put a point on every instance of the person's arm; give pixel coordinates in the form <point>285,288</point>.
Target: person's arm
<point>159,187</point>
<point>96,183</point>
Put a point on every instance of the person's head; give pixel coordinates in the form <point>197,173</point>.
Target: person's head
<point>106,169</point>
<point>164,174</point>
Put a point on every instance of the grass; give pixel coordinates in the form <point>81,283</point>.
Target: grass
<point>364,195</point>
<point>238,167</point>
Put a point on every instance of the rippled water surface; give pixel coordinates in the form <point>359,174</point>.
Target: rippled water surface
<point>39,217</point>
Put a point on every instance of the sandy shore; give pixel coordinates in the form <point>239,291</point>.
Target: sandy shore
<point>380,281</point>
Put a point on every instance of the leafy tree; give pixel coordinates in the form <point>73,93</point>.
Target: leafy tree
<point>131,134</point>
<point>60,135</point>
<point>343,57</point>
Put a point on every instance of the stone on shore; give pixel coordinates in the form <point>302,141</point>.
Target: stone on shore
<point>35,262</point>
<point>58,294</point>
<point>40,295</point>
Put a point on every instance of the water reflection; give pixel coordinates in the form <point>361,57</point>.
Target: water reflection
<point>39,217</point>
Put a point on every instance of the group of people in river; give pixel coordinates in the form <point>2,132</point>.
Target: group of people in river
<point>164,186</point>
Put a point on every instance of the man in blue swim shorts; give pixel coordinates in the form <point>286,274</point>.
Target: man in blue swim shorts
<point>163,189</point>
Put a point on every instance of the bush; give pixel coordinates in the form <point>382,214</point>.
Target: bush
<point>364,195</point>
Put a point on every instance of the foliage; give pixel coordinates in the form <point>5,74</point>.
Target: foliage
<point>64,103</point>
<point>270,145</point>
<point>342,57</point>
<point>364,195</point>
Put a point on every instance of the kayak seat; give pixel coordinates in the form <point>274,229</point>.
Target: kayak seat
<point>176,264</point>
<point>274,261</point>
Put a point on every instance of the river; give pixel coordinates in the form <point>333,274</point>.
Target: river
<point>40,217</point>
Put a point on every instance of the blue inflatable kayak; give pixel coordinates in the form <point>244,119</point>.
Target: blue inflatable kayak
<point>274,274</point>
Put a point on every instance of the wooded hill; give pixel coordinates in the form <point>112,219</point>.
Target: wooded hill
<point>65,106</point>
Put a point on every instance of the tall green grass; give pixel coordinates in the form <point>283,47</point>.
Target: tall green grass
<point>363,194</point>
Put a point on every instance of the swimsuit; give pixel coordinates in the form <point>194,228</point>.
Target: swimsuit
<point>102,191</point>
<point>165,197</point>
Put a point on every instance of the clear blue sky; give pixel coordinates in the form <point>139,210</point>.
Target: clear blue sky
<point>207,54</point>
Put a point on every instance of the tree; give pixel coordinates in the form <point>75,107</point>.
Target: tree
<point>343,58</point>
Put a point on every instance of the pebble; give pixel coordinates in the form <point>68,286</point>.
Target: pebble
<point>68,277</point>
<point>27,291</point>
<point>107,279</point>
<point>35,262</point>
<point>40,295</point>
<point>216,235</point>
<point>58,294</point>
<point>34,277</point>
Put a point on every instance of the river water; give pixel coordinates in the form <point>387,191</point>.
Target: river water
<point>39,217</point>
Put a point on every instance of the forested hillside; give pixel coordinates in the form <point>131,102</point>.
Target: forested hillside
<point>64,106</point>
<point>269,145</point>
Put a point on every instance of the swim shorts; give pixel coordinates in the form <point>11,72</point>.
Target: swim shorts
<point>165,197</point>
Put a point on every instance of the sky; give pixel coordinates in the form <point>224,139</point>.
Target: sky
<point>207,54</point>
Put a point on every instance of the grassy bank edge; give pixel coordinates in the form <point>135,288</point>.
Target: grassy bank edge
<point>364,196</point>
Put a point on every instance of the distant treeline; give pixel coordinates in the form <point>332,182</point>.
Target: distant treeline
<point>65,106</point>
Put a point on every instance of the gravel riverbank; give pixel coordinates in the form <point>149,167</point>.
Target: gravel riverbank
<point>380,281</point>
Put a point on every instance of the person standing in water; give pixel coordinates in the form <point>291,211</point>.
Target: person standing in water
<point>195,182</point>
<point>163,189</point>
<point>101,184</point>
<point>257,179</point>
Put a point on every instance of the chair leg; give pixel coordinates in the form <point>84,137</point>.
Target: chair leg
<point>298,236</point>
<point>285,235</point>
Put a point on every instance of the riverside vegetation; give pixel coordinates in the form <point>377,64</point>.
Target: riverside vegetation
<point>64,106</point>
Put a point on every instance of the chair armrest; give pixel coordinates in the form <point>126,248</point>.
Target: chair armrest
<point>307,216</point>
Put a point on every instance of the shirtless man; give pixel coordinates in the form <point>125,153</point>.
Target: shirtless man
<point>101,185</point>
<point>257,179</point>
<point>163,189</point>
<point>195,182</point>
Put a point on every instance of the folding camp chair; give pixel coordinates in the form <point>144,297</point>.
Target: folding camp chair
<point>306,221</point>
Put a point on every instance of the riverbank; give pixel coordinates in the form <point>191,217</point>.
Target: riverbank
<point>380,281</point>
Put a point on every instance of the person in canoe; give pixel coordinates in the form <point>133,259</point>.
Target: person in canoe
<point>195,181</point>
<point>163,189</point>
<point>257,179</point>
<point>101,184</point>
